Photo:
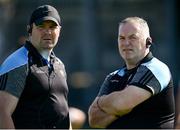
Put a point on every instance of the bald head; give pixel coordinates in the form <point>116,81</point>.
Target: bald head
<point>140,23</point>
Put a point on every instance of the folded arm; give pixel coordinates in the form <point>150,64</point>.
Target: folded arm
<point>99,118</point>
<point>122,102</point>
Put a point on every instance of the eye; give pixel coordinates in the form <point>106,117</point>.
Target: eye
<point>121,38</point>
<point>133,37</point>
<point>53,27</point>
<point>40,26</point>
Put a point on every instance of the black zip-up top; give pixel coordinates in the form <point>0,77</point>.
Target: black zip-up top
<point>41,88</point>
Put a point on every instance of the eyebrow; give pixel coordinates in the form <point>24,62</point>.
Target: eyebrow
<point>129,35</point>
<point>132,35</point>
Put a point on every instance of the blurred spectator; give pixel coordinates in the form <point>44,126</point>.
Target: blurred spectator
<point>177,123</point>
<point>78,117</point>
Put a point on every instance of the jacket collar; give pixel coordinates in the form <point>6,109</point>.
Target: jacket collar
<point>34,52</point>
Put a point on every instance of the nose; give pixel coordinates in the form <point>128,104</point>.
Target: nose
<point>126,42</point>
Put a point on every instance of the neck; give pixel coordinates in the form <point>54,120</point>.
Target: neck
<point>135,62</point>
<point>131,65</point>
<point>45,54</point>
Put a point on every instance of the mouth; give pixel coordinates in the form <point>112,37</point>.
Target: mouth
<point>47,39</point>
<point>127,50</point>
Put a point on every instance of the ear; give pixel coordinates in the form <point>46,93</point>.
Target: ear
<point>29,29</point>
<point>60,29</point>
<point>148,42</point>
<point>149,39</point>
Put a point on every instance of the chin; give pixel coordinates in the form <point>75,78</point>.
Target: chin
<point>48,47</point>
<point>51,45</point>
<point>128,58</point>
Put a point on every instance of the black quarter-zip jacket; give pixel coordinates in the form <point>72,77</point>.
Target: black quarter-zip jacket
<point>40,86</point>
